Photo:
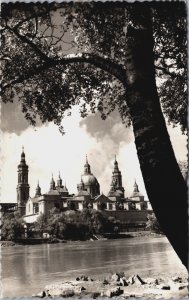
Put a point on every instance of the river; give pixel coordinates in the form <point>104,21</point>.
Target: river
<point>27,269</point>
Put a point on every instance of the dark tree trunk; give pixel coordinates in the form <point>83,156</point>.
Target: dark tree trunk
<point>165,186</point>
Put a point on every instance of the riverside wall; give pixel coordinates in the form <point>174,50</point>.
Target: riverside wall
<point>130,220</point>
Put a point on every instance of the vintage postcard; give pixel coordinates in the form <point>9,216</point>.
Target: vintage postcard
<point>94,150</point>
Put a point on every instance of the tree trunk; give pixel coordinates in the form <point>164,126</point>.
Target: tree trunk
<point>165,186</point>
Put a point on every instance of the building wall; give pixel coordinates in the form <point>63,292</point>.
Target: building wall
<point>31,218</point>
<point>129,217</point>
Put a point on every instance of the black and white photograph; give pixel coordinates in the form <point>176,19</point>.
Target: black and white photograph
<point>94,157</point>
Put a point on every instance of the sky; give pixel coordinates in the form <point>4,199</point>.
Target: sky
<point>48,152</point>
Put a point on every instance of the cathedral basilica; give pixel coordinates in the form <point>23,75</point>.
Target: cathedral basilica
<point>88,194</point>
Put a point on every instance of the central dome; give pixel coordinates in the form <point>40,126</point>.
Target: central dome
<point>89,179</point>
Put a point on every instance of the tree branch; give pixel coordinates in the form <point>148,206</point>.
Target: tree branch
<point>30,43</point>
<point>166,72</point>
<point>103,63</point>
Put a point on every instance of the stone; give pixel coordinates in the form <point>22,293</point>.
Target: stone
<point>84,278</point>
<point>123,281</point>
<point>40,295</point>
<point>115,277</point>
<point>121,274</point>
<point>67,293</point>
<point>95,295</point>
<point>177,279</point>
<point>136,279</point>
<point>112,292</point>
<point>163,286</point>
<point>105,282</point>
<point>64,289</point>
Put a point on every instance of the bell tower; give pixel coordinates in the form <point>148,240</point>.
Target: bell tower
<point>116,179</point>
<point>22,186</point>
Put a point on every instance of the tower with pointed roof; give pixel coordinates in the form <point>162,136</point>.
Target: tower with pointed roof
<point>136,194</point>
<point>116,183</point>
<point>22,186</point>
<point>38,190</point>
<point>87,167</point>
<point>59,181</point>
<point>52,183</point>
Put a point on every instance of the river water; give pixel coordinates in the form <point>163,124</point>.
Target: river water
<point>27,269</point>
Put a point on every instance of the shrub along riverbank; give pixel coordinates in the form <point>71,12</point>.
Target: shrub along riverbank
<point>68,225</point>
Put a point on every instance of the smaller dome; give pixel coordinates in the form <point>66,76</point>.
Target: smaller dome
<point>89,179</point>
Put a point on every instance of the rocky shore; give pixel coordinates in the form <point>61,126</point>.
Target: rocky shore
<point>118,285</point>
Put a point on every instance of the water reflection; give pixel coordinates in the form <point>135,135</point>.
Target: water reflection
<point>27,269</point>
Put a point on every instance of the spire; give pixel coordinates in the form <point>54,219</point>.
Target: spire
<point>116,165</point>
<point>87,168</point>
<point>80,186</point>
<point>65,187</point>
<point>22,161</point>
<point>59,181</point>
<point>52,184</point>
<point>38,190</point>
<point>135,187</point>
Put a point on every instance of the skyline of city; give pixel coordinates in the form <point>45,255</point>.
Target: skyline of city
<point>47,151</point>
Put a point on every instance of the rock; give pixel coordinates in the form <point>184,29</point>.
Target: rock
<point>163,286</point>
<point>121,274</point>
<point>177,279</point>
<point>123,281</point>
<point>67,293</point>
<point>95,295</point>
<point>105,282</point>
<point>84,278</point>
<point>115,277</point>
<point>40,295</point>
<point>112,292</point>
<point>65,289</point>
<point>136,279</point>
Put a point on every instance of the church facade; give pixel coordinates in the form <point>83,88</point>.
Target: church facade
<point>88,194</point>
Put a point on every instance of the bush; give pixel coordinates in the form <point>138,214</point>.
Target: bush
<point>75,225</point>
<point>153,224</point>
<point>12,227</point>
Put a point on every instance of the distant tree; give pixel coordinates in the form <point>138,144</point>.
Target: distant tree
<point>12,227</point>
<point>183,165</point>
<point>102,56</point>
<point>152,224</point>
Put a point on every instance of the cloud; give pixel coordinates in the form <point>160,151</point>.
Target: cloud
<point>12,118</point>
<point>47,152</point>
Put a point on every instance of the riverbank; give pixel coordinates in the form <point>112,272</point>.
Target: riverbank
<point>34,241</point>
<point>118,285</point>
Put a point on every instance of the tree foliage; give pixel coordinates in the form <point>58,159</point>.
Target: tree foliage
<point>12,227</point>
<point>75,225</point>
<point>152,224</point>
<point>55,56</point>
